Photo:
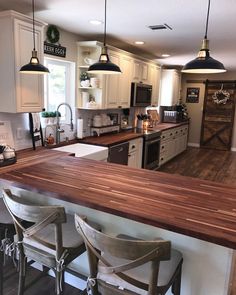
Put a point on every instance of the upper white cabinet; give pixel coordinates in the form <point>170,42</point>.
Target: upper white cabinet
<point>113,91</point>
<point>118,87</point>
<point>170,87</point>
<point>140,71</point>
<point>19,92</point>
<point>124,81</point>
<point>154,80</point>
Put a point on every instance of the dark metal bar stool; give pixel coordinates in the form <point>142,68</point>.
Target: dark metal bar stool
<point>7,231</point>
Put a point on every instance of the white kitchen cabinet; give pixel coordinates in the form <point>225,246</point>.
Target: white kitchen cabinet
<point>119,86</point>
<point>19,92</point>
<point>154,80</point>
<point>173,142</point>
<point>170,87</point>
<point>112,84</point>
<point>135,153</point>
<point>124,82</point>
<point>140,71</point>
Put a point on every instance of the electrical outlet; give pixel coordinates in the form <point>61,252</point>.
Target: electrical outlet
<point>19,133</point>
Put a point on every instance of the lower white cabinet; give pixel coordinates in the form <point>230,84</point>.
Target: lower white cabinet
<point>135,153</point>
<point>173,142</point>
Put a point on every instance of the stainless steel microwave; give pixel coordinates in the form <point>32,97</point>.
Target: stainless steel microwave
<point>141,95</point>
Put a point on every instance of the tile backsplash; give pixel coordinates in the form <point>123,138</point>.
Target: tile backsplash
<point>21,130</point>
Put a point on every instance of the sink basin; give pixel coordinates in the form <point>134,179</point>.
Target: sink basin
<point>87,151</point>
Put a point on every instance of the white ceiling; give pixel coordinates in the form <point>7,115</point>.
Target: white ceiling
<point>128,21</point>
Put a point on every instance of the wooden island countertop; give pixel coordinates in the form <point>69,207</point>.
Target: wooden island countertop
<point>193,207</point>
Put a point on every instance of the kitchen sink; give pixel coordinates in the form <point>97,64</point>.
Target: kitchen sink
<point>87,151</point>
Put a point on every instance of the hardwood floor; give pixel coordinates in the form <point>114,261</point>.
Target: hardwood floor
<point>219,166</point>
<point>44,285</point>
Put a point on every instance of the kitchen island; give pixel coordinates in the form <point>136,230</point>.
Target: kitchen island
<point>185,210</point>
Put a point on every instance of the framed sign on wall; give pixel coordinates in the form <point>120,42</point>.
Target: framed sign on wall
<point>192,95</point>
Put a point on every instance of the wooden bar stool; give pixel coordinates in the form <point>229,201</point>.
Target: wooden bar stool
<point>51,240</point>
<point>130,266</point>
<point>7,231</point>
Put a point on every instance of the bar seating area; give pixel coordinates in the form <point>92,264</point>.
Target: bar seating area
<point>118,265</point>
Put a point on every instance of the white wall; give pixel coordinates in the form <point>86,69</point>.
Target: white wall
<point>195,109</point>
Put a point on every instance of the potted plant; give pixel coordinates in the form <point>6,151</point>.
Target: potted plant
<point>44,118</point>
<point>84,79</point>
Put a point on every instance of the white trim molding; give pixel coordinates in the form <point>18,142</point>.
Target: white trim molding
<point>192,144</point>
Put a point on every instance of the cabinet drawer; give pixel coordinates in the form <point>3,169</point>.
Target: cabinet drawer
<point>167,135</point>
<point>134,144</point>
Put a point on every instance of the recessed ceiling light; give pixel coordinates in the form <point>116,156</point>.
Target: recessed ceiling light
<point>95,22</point>
<point>165,55</point>
<point>139,42</point>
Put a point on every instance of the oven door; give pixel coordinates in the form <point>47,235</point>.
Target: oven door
<point>151,154</point>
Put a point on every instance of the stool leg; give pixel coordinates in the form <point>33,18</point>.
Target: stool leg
<point>22,266</point>
<point>1,263</point>
<point>177,283</point>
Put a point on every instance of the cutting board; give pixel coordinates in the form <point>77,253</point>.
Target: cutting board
<point>154,115</point>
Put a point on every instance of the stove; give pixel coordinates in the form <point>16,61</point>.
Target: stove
<point>151,148</point>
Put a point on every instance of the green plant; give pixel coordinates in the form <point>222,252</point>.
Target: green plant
<point>57,113</point>
<point>84,76</point>
<point>45,114</point>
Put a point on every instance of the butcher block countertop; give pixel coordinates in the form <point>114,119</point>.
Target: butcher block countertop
<point>193,207</point>
<point>116,138</point>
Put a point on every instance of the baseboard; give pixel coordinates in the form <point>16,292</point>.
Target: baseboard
<point>233,149</point>
<point>193,144</point>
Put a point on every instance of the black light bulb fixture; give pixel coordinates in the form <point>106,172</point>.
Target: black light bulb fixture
<point>34,66</point>
<point>104,65</point>
<point>204,63</point>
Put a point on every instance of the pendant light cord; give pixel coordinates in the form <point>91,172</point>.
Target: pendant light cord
<point>105,24</point>
<point>33,24</point>
<point>208,12</point>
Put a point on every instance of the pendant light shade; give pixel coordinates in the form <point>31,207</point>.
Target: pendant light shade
<point>204,63</point>
<point>34,66</point>
<point>104,65</point>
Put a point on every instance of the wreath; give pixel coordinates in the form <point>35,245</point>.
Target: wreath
<point>221,96</point>
<point>53,35</point>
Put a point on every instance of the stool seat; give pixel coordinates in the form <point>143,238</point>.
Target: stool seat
<point>5,217</point>
<point>70,238</point>
<point>141,273</point>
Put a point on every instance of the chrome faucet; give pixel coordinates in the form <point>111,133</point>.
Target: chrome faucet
<point>58,129</point>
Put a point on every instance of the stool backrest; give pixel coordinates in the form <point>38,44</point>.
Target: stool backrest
<point>38,216</point>
<point>137,252</point>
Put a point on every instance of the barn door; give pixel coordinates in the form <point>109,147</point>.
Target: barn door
<point>218,114</point>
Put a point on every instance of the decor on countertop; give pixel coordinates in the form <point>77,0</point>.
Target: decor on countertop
<point>34,66</point>
<point>104,65</point>
<point>192,95</point>
<point>221,96</point>
<point>204,63</point>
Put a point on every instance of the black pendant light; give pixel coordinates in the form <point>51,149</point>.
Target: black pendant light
<point>204,64</point>
<point>34,66</point>
<point>104,65</point>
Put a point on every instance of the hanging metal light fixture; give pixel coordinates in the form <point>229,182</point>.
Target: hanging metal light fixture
<point>104,65</point>
<point>34,66</point>
<point>204,63</point>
